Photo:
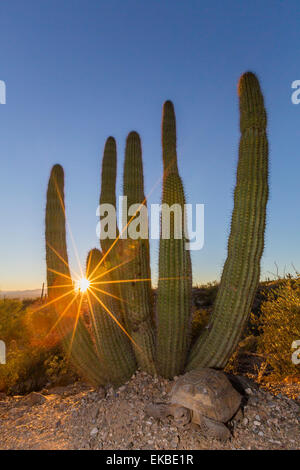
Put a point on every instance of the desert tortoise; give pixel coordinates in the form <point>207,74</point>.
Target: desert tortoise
<point>203,396</point>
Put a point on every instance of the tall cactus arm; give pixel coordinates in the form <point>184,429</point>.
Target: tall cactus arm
<point>108,184</point>
<point>169,138</point>
<point>241,271</point>
<point>139,314</point>
<point>58,272</point>
<point>77,344</point>
<point>174,288</point>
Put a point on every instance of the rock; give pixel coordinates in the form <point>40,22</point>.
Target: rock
<point>256,423</point>
<point>94,431</point>
<point>101,392</point>
<point>34,398</point>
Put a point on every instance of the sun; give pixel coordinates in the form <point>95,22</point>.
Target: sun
<point>82,285</point>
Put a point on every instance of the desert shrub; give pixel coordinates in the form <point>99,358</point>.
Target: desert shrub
<point>34,358</point>
<point>58,369</point>
<point>24,371</point>
<point>31,369</point>
<point>204,295</point>
<point>11,321</point>
<point>279,326</point>
<point>200,320</point>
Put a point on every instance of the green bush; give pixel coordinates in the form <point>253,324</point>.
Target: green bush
<point>12,313</point>
<point>34,359</point>
<point>200,320</point>
<point>279,326</point>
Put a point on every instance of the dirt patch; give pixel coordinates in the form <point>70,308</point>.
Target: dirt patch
<point>79,417</point>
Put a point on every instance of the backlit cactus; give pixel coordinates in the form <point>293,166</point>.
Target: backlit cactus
<point>58,272</point>
<point>139,306</point>
<point>75,336</point>
<point>174,295</point>
<point>119,328</point>
<point>241,271</point>
<point>112,344</point>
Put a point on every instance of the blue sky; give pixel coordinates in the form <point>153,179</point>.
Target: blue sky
<point>77,71</point>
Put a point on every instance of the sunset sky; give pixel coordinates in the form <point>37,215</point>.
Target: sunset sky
<point>77,71</point>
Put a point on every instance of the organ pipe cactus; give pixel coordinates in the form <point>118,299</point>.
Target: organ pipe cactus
<point>120,330</point>
<point>241,271</point>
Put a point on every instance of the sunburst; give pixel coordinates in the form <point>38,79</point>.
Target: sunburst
<point>86,286</point>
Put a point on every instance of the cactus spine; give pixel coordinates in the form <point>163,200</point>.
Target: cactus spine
<point>138,294</point>
<point>174,295</point>
<point>241,271</point>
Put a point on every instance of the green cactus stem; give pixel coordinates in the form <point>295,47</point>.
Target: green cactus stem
<point>241,271</point>
<point>138,295</point>
<point>169,138</point>
<point>78,344</point>
<point>174,287</point>
<point>111,341</point>
<point>58,272</point>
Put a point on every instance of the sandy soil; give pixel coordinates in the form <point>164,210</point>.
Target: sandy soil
<point>79,417</point>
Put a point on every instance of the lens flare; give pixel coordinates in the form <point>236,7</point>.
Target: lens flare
<point>82,285</point>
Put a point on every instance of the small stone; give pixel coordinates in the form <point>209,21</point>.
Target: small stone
<point>245,421</point>
<point>34,398</point>
<point>94,431</point>
<point>256,423</point>
<point>248,391</point>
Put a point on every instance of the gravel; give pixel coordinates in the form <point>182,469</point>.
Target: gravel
<point>79,417</point>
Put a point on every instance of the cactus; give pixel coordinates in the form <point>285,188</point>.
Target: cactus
<point>58,272</point>
<point>169,138</point>
<point>174,295</point>
<point>108,185</point>
<point>112,345</point>
<point>112,248</point>
<point>138,295</point>
<point>120,330</point>
<point>241,271</point>
<point>60,287</point>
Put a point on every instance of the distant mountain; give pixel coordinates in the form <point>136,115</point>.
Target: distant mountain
<point>20,294</point>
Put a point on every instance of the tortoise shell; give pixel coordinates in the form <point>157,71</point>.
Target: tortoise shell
<point>208,392</point>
